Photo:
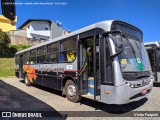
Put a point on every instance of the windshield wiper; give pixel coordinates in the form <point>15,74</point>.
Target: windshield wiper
<point>139,49</point>
<point>130,44</point>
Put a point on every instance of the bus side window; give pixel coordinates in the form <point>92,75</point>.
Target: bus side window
<point>53,58</point>
<point>52,50</point>
<point>32,60</point>
<point>108,65</point>
<point>67,50</point>
<point>47,57</point>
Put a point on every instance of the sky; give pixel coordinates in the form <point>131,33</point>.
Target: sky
<point>76,14</point>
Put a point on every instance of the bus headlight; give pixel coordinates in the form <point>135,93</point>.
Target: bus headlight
<point>128,84</point>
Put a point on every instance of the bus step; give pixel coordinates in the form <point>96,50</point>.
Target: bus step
<point>92,97</point>
<point>98,98</point>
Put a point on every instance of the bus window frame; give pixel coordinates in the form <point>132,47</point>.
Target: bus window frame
<point>105,39</point>
<point>33,56</point>
<point>157,60</point>
<point>41,54</point>
<point>26,57</point>
<point>53,52</point>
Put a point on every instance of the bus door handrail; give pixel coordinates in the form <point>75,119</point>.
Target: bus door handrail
<point>83,68</point>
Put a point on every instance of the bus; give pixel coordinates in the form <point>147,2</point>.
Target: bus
<point>105,62</point>
<point>153,49</point>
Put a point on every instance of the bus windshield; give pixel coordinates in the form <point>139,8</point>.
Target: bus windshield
<point>134,57</point>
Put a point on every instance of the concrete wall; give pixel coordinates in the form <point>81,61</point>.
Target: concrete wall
<point>33,42</point>
<point>19,37</point>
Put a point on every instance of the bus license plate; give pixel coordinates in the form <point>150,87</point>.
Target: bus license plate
<point>144,91</point>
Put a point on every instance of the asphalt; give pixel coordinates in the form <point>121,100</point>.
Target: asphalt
<point>16,97</point>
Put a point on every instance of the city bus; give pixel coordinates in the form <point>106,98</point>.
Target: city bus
<point>153,49</point>
<point>105,62</point>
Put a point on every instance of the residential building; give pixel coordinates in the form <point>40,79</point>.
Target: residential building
<point>64,32</point>
<point>35,31</point>
<point>37,28</point>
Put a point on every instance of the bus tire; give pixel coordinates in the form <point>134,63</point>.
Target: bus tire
<point>26,81</point>
<point>71,91</point>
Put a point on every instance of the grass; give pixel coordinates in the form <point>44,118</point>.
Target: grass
<point>7,66</point>
<point>20,47</point>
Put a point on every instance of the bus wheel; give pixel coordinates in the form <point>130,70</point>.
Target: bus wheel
<point>71,91</point>
<point>27,82</point>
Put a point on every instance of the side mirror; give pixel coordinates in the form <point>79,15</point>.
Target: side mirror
<point>116,36</point>
<point>8,9</point>
<point>116,54</point>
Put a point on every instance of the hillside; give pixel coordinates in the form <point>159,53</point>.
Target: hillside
<point>7,66</point>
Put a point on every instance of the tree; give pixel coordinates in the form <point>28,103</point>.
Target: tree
<point>4,44</point>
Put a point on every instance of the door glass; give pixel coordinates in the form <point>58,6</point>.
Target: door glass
<point>97,66</point>
<point>105,62</point>
<point>151,54</point>
<point>86,63</point>
<point>158,60</point>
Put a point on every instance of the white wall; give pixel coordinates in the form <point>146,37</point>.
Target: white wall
<point>37,29</point>
<point>39,37</point>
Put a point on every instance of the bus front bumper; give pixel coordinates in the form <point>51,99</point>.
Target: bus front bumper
<point>125,94</point>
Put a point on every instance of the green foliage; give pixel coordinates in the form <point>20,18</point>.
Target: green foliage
<point>20,47</point>
<point>4,43</point>
<point>7,67</point>
<point>7,50</point>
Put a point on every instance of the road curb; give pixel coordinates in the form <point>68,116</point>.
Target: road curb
<point>7,77</point>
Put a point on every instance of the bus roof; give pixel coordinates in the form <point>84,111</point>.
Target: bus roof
<point>104,25</point>
<point>152,43</point>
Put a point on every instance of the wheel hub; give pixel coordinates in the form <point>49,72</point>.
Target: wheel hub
<point>71,90</point>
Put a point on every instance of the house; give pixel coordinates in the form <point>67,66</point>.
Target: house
<point>39,29</point>
<point>35,31</point>
<point>7,25</point>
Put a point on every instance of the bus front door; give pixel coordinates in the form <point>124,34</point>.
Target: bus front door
<point>88,66</point>
<point>82,68</point>
<point>21,66</point>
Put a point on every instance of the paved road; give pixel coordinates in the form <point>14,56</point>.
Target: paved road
<point>15,96</point>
